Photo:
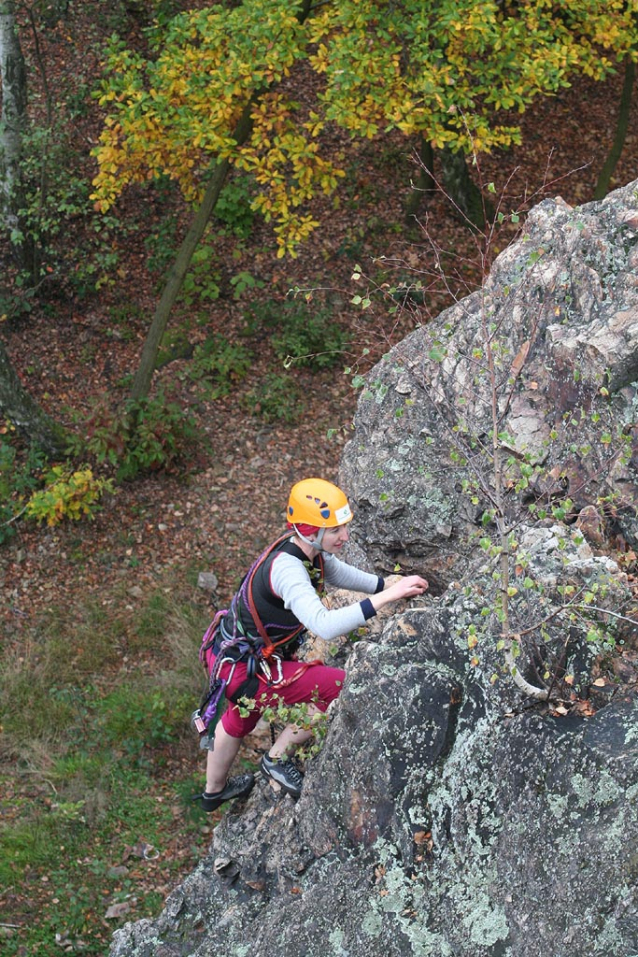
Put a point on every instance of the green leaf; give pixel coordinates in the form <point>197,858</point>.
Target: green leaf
<point>437,353</point>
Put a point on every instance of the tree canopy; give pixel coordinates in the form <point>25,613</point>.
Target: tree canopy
<point>446,70</point>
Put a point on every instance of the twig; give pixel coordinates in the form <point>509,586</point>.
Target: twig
<point>606,611</point>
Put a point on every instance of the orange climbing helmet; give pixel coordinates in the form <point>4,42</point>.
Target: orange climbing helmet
<point>319,503</point>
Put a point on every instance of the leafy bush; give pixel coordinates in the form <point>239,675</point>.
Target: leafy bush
<point>243,282</point>
<point>19,477</point>
<point>145,436</point>
<point>28,488</point>
<point>95,264</point>
<point>305,335</point>
<point>68,494</point>
<point>277,398</point>
<point>56,200</point>
<point>222,362</point>
<point>201,282</point>
<point>233,207</point>
<point>136,718</point>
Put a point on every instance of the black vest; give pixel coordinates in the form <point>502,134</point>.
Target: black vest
<point>279,622</point>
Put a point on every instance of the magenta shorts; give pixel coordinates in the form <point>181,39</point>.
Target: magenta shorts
<point>318,685</point>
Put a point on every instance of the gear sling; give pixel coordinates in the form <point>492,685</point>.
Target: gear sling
<point>260,653</point>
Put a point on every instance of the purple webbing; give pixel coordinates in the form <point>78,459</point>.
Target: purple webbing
<point>281,628</point>
<point>208,635</point>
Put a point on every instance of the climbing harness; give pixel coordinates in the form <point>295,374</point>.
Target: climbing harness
<point>263,664</point>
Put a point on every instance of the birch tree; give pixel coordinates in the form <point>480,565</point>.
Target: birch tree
<point>13,118</point>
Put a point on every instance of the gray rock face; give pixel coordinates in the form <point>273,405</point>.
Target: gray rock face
<point>561,308</point>
<point>446,815</point>
<point>431,823</point>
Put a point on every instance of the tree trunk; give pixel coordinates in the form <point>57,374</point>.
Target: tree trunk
<point>144,375</point>
<point>624,112</point>
<point>13,76</point>
<point>470,203</point>
<point>24,412</point>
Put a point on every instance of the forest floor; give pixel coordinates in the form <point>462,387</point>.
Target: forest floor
<point>213,514</point>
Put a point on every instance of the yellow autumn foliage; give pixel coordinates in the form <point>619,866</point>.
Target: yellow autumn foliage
<point>441,69</point>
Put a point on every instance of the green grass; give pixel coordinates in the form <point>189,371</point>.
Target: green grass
<point>69,857</point>
<point>95,705</point>
<point>150,622</point>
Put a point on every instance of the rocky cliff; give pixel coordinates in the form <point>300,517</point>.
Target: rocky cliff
<point>446,814</point>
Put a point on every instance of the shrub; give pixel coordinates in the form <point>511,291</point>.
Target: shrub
<point>68,494</point>
<point>233,208</point>
<point>145,436</point>
<point>201,282</point>
<point>56,204</point>
<point>20,472</point>
<point>305,335</point>
<point>136,718</point>
<point>277,398</point>
<point>221,362</point>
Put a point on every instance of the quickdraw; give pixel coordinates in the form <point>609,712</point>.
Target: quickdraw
<point>282,682</point>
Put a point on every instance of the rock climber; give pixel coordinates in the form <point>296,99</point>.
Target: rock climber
<point>250,650</point>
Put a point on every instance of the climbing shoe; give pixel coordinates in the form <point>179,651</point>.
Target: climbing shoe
<point>240,786</point>
<point>285,773</point>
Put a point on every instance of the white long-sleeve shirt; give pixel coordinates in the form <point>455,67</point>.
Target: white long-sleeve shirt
<point>290,580</point>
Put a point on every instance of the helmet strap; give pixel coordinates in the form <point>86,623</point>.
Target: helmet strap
<point>314,543</point>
